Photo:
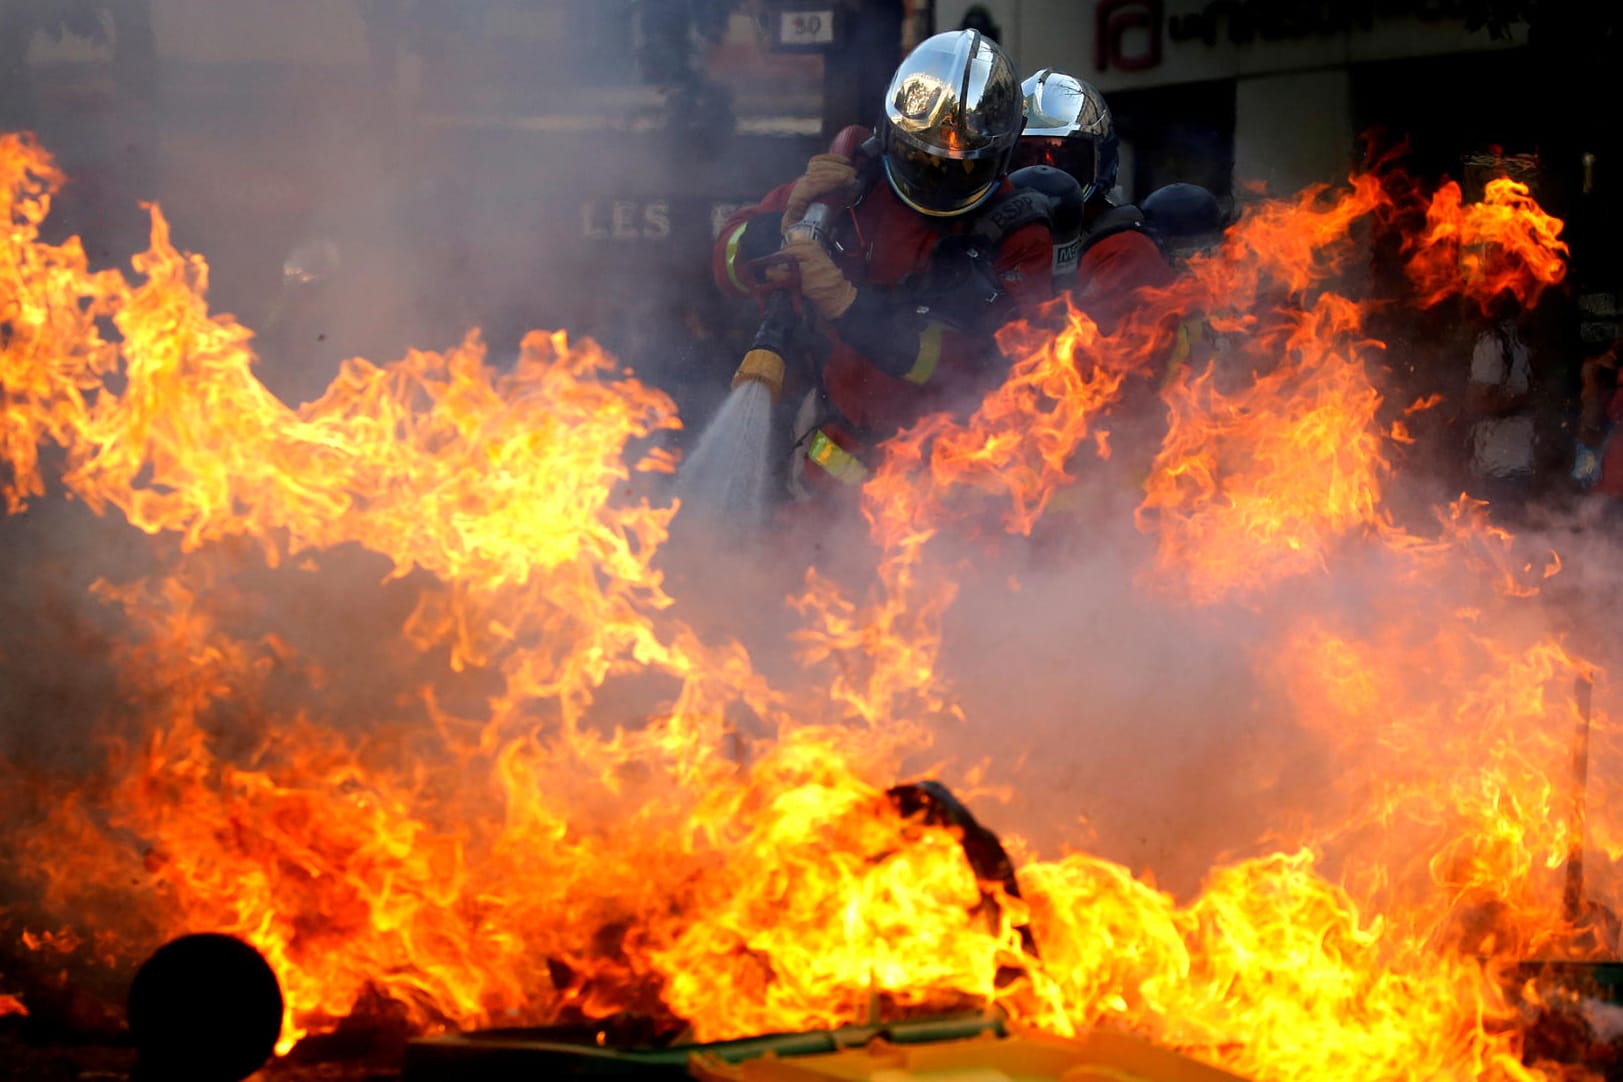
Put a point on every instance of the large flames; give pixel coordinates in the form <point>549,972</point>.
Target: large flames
<point>403,698</point>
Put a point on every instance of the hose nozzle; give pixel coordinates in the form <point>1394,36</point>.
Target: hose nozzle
<point>761,366</point>
<point>813,225</point>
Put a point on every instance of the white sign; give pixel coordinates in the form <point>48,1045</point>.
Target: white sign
<point>806,27</point>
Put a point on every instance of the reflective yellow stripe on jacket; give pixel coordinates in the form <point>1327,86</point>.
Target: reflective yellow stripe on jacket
<point>732,258</point>
<point>929,354</point>
<point>841,464</point>
<point>1191,333</point>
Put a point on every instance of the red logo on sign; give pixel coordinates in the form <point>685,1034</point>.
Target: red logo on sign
<point>1127,35</point>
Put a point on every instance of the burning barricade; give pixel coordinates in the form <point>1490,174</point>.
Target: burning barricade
<point>393,689</point>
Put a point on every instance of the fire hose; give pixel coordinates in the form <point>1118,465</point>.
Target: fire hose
<point>764,362</point>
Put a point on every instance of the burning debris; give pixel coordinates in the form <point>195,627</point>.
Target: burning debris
<point>206,1008</point>
<point>403,698</point>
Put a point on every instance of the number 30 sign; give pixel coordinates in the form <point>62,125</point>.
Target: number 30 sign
<point>804,28</point>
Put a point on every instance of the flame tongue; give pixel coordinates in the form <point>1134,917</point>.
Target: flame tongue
<point>444,802</point>
<point>1504,246</point>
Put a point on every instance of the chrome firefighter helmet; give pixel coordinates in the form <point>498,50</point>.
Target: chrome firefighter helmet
<point>1068,126</point>
<point>953,114</point>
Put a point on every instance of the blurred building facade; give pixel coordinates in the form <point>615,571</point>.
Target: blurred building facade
<point>1230,92</point>
<point>552,161</point>
<point>515,163</point>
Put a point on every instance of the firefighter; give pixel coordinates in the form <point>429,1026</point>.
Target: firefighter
<point>1069,127</point>
<point>932,249</point>
<point>1184,220</point>
<point>1120,250</point>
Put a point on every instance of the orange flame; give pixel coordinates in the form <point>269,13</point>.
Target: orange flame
<point>1254,488</point>
<point>1505,245</point>
<point>557,800</point>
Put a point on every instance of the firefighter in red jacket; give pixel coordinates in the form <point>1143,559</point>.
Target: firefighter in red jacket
<point>1069,127</point>
<point>1120,249</point>
<point>931,250</point>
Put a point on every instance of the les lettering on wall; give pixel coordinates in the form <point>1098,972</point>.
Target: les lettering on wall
<point>625,219</point>
<point>650,220</point>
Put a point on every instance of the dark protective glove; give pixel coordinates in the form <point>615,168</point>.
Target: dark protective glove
<point>829,178</point>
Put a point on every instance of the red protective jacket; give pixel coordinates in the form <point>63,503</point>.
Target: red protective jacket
<point>1112,270</point>
<point>1108,277</point>
<point>898,354</point>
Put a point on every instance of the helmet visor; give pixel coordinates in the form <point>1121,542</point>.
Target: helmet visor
<point>1077,155</point>
<point>937,185</point>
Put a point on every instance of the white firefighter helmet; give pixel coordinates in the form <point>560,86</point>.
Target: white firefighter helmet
<point>1068,126</point>
<point>953,114</point>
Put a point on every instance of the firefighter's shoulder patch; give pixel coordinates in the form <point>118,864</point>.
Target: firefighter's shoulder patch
<point>1008,212</point>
